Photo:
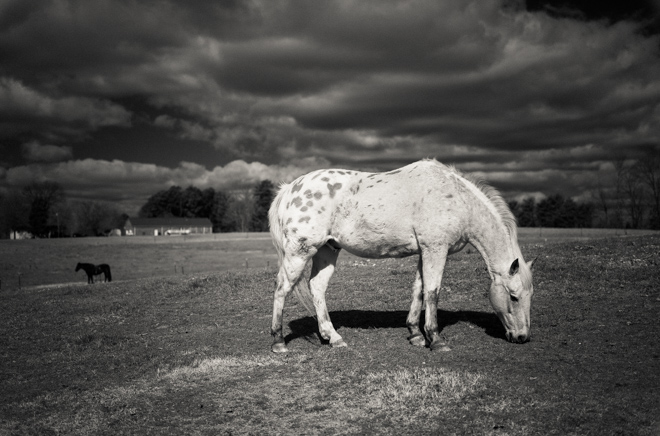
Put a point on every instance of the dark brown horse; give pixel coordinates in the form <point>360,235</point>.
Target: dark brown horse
<point>95,270</point>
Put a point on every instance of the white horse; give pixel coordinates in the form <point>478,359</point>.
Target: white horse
<point>424,208</point>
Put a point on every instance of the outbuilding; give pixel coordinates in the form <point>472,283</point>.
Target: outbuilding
<point>168,226</point>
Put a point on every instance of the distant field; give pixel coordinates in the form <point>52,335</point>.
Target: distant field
<point>52,261</point>
<point>190,354</point>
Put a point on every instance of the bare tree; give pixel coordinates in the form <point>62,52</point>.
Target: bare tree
<point>649,169</point>
<point>633,189</point>
<point>14,211</point>
<point>42,196</point>
<point>619,204</point>
<point>603,198</point>
<point>240,210</point>
<point>95,218</point>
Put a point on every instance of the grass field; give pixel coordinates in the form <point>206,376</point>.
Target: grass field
<point>40,262</point>
<point>189,353</point>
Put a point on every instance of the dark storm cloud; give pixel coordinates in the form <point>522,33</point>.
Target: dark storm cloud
<point>530,94</point>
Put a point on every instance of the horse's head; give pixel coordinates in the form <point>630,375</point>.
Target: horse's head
<point>511,297</point>
<point>78,267</point>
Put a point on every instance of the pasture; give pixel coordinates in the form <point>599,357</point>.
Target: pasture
<point>159,351</point>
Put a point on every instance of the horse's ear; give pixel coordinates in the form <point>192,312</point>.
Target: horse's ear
<point>514,268</point>
<point>530,264</point>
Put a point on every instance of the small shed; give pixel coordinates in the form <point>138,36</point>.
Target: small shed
<point>169,226</point>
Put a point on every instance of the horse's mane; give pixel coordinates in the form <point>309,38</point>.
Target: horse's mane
<point>503,210</point>
<point>500,205</point>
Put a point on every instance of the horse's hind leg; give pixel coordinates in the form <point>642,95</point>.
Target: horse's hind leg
<point>323,266</point>
<point>416,336</point>
<point>290,273</point>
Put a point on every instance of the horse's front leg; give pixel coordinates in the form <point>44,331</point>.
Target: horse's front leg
<point>323,266</point>
<point>433,265</point>
<point>416,337</point>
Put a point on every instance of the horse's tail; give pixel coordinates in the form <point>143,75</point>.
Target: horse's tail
<point>300,288</point>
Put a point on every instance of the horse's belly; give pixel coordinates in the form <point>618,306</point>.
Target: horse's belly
<point>379,251</point>
<point>374,239</point>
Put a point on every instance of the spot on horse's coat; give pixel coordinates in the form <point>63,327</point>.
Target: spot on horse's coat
<point>305,219</point>
<point>304,209</point>
<point>340,172</point>
<point>289,220</point>
<point>297,201</point>
<point>325,179</point>
<point>318,195</point>
<point>297,187</point>
<point>318,174</point>
<point>309,204</point>
<point>449,196</point>
<point>392,172</point>
<point>333,188</point>
<point>331,172</point>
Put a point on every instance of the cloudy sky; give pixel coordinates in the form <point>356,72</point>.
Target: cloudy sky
<point>118,99</point>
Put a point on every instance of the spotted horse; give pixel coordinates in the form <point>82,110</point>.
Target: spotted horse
<point>426,209</point>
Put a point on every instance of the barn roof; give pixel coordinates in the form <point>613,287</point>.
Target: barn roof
<point>171,221</point>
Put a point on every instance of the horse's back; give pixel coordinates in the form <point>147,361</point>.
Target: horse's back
<point>370,214</point>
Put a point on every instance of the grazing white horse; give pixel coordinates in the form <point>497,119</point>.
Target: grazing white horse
<point>424,208</point>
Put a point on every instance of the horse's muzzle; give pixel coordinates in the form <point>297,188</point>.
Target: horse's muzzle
<point>517,339</point>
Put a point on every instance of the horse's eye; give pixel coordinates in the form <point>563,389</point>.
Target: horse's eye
<point>514,299</point>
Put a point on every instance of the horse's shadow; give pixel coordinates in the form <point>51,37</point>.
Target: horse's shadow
<point>307,327</point>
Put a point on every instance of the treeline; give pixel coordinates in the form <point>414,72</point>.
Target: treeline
<point>238,211</point>
<point>553,211</point>
<point>43,210</point>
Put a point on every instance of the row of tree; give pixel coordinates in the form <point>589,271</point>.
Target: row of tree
<point>42,209</point>
<point>627,197</point>
<point>240,211</point>
<point>630,198</point>
<point>553,211</point>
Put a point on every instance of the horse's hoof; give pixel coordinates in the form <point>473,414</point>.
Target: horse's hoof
<point>417,340</point>
<point>338,344</point>
<point>439,346</point>
<point>279,347</point>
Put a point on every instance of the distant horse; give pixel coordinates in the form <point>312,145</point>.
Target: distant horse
<point>95,270</point>
<point>425,209</point>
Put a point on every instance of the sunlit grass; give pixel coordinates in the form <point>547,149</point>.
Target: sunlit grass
<point>405,387</point>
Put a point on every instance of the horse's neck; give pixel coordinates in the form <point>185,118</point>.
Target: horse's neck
<point>492,240</point>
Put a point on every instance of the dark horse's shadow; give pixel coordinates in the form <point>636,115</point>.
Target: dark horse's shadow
<point>364,319</point>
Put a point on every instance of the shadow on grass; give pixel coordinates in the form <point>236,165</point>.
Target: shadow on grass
<point>307,327</point>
